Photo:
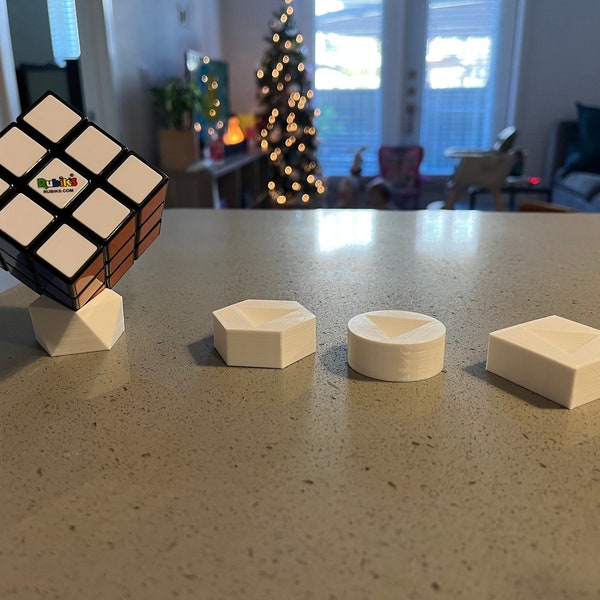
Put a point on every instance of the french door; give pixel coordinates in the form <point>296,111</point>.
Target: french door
<point>461,75</point>
<point>443,73</point>
<point>348,82</point>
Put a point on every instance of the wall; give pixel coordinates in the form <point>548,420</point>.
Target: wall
<point>149,46</point>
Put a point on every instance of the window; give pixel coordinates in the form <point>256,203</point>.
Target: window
<point>63,30</point>
<point>450,71</point>
<point>458,95</point>
<point>348,82</point>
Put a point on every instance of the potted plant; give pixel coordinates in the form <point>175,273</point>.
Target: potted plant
<point>176,102</point>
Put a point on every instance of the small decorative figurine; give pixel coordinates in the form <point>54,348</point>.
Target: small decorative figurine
<point>76,209</point>
<point>357,162</point>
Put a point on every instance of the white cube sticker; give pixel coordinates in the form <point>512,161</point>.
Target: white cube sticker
<point>19,152</point>
<point>101,213</point>
<point>93,149</point>
<point>53,118</point>
<point>67,250</point>
<point>23,220</point>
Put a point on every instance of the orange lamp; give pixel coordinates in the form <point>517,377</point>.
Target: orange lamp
<point>234,134</point>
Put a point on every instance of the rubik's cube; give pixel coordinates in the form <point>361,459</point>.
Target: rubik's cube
<point>76,206</point>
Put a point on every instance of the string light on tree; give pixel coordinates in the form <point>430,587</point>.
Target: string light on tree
<point>287,133</point>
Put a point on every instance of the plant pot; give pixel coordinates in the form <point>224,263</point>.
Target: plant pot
<point>178,148</point>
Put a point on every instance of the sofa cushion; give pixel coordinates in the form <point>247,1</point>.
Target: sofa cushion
<point>586,157</point>
<point>594,202</point>
<point>584,184</point>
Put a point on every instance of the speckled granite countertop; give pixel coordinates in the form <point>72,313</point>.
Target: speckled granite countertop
<point>154,471</point>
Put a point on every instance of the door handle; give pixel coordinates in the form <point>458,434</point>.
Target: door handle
<point>411,110</point>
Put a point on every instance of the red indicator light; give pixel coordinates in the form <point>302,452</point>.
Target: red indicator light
<point>533,180</point>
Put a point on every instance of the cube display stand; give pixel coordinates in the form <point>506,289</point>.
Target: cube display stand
<point>76,207</point>
<point>60,330</point>
<point>395,345</point>
<point>553,356</point>
<point>264,333</point>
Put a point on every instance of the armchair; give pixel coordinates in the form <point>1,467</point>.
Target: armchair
<point>398,184</point>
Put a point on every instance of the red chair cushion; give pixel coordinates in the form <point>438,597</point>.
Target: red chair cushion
<point>399,166</point>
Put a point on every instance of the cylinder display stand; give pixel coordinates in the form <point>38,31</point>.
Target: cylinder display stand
<point>395,345</point>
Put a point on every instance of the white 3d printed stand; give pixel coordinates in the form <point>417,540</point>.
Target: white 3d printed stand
<point>554,357</point>
<point>96,326</point>
<point>264,333</point>
<point>395,345</point>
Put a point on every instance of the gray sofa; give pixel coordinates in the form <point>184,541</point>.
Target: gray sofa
<point>578,190</point>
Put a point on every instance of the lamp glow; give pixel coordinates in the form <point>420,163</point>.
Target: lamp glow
<point>234,133</point>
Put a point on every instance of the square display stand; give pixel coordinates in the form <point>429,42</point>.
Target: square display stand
<point>554,357</point>
<point>96,326</point>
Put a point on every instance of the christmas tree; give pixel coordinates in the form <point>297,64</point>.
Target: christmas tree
<point>285,117</point>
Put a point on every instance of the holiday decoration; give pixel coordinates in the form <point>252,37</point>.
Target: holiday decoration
<point>286,127</point>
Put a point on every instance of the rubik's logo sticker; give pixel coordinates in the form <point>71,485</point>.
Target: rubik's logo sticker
<point>76,207</point>
<point>60,184</point>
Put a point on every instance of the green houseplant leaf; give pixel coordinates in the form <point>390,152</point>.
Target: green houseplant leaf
<point>177,100</point>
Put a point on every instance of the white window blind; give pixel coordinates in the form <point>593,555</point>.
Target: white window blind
<point>348,82</point>
<point>464,50</point>
<point>63,30</point>
<point>458,95</point>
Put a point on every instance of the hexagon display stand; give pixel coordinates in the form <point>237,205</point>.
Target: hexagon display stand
<point>96,326</point>
<point>554,357</point>
<point>264,333</point>
<point>396,345</point>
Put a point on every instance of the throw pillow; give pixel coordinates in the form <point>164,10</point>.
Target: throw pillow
<point>587,155</point>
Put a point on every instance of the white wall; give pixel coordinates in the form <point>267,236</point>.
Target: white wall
<point>9,97</point>
<point>149,43</point>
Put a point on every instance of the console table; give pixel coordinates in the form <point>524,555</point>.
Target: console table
<point>514,186</point>
<point>238,181</point>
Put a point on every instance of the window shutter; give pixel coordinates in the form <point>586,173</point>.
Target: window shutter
<point>63,30</point>
<point>458,93</point>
